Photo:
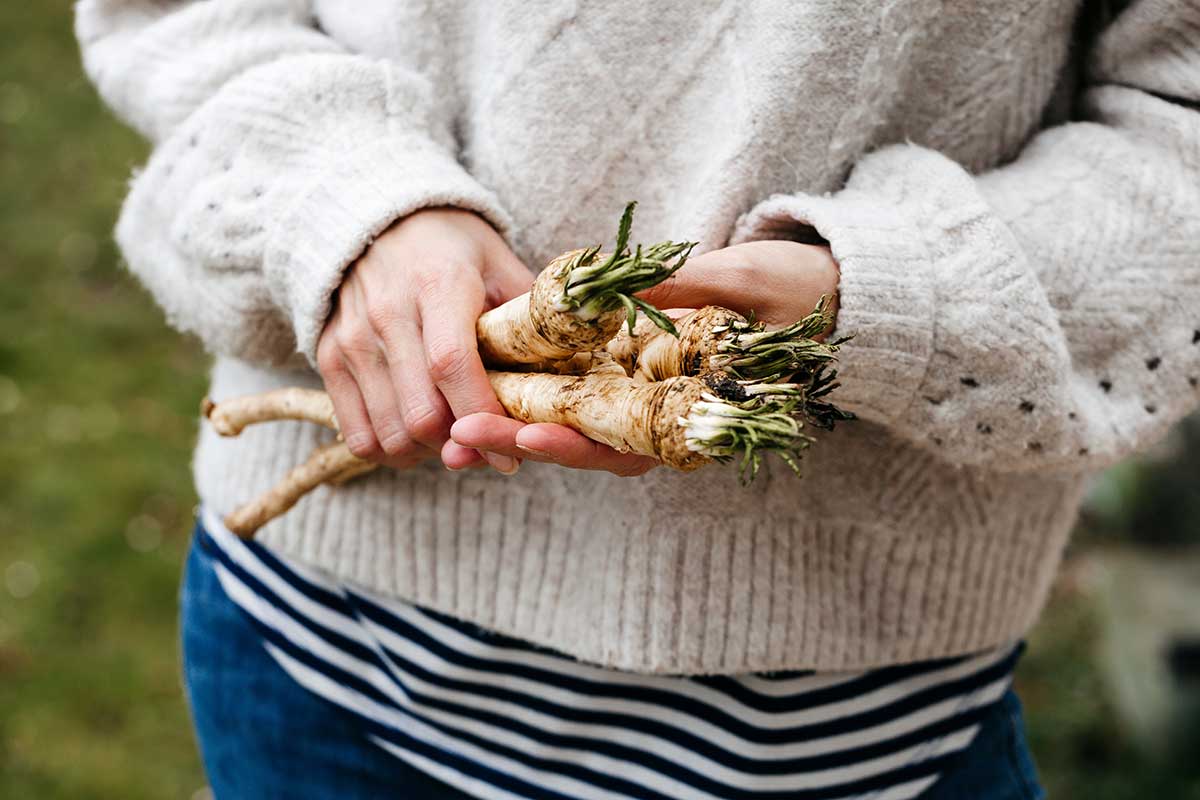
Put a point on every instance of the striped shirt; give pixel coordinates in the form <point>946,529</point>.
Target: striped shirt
<point>499,718</point>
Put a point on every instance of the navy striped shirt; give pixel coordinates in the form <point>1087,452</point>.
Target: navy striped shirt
<point>500,718</point>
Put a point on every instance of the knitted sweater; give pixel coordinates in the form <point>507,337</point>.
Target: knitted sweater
<point>1014,203</point>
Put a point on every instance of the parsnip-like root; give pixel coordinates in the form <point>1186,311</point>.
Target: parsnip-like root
<point>530,329</point>
<point>651,354</point>
<point>331,463</point>
<point>677,420</point>
<point>578,302</point>
<point>715,338</point>
<point>609,408</point>
<point>306,405</point>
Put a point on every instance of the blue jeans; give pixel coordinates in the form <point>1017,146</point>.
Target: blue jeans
<point>264,736</point>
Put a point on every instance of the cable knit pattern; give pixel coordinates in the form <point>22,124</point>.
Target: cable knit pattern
<point>1025,301</point>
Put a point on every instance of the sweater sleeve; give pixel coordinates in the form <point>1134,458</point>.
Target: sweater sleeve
<point>278,156</point>
<point>1044,315</point>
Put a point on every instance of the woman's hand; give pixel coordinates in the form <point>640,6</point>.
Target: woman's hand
<point>779,281</point>
<point>398,355</point>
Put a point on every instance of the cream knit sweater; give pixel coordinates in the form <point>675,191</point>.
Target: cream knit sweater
<point>1024,290</point>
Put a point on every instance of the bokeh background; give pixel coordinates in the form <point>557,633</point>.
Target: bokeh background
<point>98,404</point>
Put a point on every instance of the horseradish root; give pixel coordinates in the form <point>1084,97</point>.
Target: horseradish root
<point>331,463</point>
<point>305,405</point>
<point>579,302</point>
<point>677,421</point>
<point>715,338</point>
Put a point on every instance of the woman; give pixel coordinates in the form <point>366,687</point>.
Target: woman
<point>1005,201</point>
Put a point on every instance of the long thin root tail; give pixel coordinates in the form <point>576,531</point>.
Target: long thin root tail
<point>331,463</point>
<point>229,417</point>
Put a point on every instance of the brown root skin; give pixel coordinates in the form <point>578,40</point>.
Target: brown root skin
<point>651,354</point>
<point>332,463</point>
<point>578,364</point>
<point>529,330</point>
<point>229,417</point>
<point>626,347</point>
<point>610,408</point>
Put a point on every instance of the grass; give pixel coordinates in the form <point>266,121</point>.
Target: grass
<point>97,418</point>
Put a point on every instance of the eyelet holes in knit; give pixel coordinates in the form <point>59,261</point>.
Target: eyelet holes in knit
<point>1026,407</point>
<point>969,382</point>
<point>983,428</point>
<point>1196,337</point>
<point>1153,363</point>
<point>1106,385</point>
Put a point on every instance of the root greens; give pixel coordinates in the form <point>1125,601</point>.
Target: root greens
<point>579,302</point>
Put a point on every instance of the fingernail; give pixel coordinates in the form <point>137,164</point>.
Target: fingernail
<point>533,452</point>
<point>505,464</point>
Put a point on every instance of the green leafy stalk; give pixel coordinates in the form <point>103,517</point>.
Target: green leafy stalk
<point>749,352</point>
<point>765,422</point>
<point>592,289</point>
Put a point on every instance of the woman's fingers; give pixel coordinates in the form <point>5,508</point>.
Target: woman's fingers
<point>456,457</point>
<point>552,444</point>
<point>452,355</point>
<point>559,444</point>
<point>348,406</point>
<point>399,353</point>
<point>424,413</point>
<point>395,445</point>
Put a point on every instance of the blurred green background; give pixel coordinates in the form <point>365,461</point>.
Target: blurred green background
<point>97,416</point>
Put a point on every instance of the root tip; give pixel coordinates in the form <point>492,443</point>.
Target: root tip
<point>242,528</point>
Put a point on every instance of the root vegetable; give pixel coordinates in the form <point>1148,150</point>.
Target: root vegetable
<point>715,338</point>
<point>305,405</point>
<point>678,420</point>
<point>331,463</point>
<point>579,302</point>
